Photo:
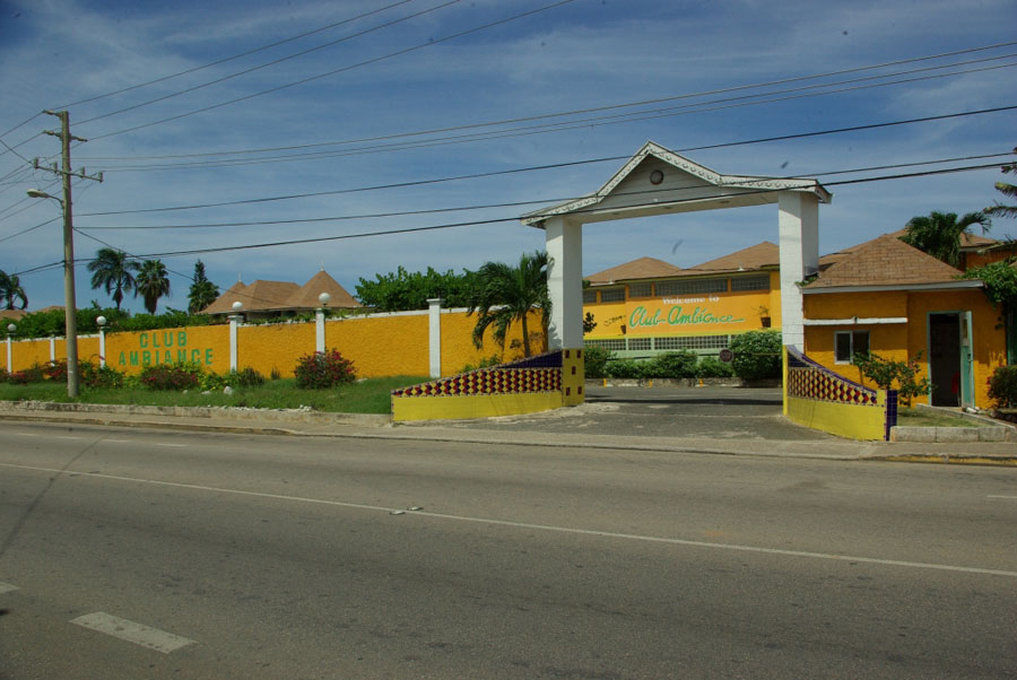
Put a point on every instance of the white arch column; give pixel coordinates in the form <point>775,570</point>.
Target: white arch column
<point>798,217</point>
<point>564,243</point>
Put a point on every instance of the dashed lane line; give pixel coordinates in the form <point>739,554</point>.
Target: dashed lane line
<point>138,633</point>
<point>6,587</point>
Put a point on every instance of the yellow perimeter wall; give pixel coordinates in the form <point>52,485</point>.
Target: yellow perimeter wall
<point>901,341</point>
<point>378,345</point>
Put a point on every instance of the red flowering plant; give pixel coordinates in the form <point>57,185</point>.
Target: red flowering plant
<point>322,370</point>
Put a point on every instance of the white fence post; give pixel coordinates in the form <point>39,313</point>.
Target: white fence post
<point>434,335</point>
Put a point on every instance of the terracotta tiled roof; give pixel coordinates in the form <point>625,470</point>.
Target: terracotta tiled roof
<point>967,241</point>
<point>643,268</point>
<point>15,314</point>
<point>276,296</point>
<point>765,254</point>
<point>884,261</point>
<point>307,296</point>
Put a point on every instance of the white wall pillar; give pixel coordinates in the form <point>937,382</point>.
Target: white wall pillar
<point>10,362</point>
<point>434,336</point>
<point>319,330</point>
<point>52,350</point>
<point>102,346</point>
<point>798,221</point>
<point>564,242</point>
<point>234,319</point>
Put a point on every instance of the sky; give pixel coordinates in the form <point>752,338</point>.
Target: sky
<point>370,114</point>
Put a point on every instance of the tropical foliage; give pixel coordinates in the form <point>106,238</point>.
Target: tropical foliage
<point>404,291</point>
<point>757,355</point>
<point>1008,190</point>
<point>939,234</point>
<point>203,292</point>
<point>152,283</point>
<point>1003,386</point>
<point>505,294</point>
<point>886,372</point>
<point>323,370</point>
<point>11,291</point>
<point>112,271</point>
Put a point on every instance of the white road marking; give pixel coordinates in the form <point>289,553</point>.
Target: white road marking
<point>6,587</point>
<point>27,434</point>
<point>139,634</point>
<point>543,527</point>
<point>172,446</point>
<point>118,441</point>
<point>65,436</point>
<point>1009,498</point>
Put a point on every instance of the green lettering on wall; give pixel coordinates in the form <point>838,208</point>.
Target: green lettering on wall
<point>208,356</point>
<point>143,340</point>
<point>146,358</point>
<point>181,356</point>
<point>123,359</point>
<point>155,340</point>
<point>134,358</point>
<point>167,357</point>
<point>182,339</point>
<point>196,355</point>
<point>167,338</point>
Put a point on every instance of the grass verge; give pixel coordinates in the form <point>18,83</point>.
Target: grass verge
<point>367,396</point>
<point>914,417</point>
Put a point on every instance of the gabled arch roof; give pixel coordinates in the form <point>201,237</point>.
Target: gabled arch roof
<point>693,187</point>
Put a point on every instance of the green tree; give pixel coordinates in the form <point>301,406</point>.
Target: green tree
<point>203,292</point>
<point>11,291</point>
<point>152,283</point>
<point>1008,190</point>
<point>402,291</point>
<point>113,271</point>
<point>939,234</point>
<point>757,355</point>
<point>505,294</point>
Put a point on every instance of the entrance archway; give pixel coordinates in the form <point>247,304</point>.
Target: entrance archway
<point>657,181</point>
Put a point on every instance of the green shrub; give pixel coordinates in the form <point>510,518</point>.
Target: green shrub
<point>246,377</point>
<point>595,361</point>
<point>674,365</point>
<point>1003,387</point>
<point>35,374</point>
<point>322,370</point>
<point>487,362</point>
<point>211,382</point>
<point>712,367</point>
<point>171,376</point>
<point>628,368</point>
<point>757,355</point>
<point>884,372</point>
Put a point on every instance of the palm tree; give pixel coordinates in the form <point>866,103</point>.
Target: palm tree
<point>112,270</point>
<point>939,234</point>
<point>152,283</point>
<point>1008,190</point>
<point>203,292</point>
<point>11,290</point>
<point>505,294</point>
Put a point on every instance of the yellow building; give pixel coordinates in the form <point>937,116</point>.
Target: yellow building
<point>882,296</point>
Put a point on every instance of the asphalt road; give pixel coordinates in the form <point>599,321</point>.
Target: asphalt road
<point>222,556</point>
<point>697,412</point>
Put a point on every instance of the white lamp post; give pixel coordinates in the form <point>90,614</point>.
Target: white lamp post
<point>11,328</point>
<point>234,318</point>
<point>319,323</point>
<point>100,321</point>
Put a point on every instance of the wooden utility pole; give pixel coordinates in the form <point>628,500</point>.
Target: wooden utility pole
<point>70,304</point>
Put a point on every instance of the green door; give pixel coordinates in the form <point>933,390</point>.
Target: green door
<point>966,361</point>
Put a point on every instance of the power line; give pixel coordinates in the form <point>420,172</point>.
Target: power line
<point>454,225</point>
<point>366,62</point>
<point>549,166</point>
<point>270,63</point>
<point>516,204</point>
<point>230,58</point>
<point>597,109</point>
<point>699,107</point>
<point>25,231</point>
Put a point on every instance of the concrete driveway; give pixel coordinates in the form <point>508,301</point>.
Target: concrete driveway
<point>665,411</point>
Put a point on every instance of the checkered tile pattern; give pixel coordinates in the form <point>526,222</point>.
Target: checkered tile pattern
<point>489,381</point>
<point>823,385</point>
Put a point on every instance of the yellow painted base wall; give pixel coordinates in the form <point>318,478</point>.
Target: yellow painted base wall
<point>842,420</point>
<point>472,406</point>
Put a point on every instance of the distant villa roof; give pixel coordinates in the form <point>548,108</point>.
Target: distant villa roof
<point>886,262</point>
<point>643,268</point>
<point>282,296</point>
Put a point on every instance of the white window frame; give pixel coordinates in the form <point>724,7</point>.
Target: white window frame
<point>851,344</point>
